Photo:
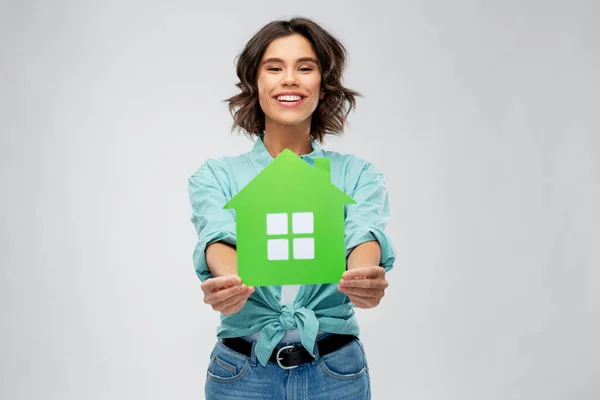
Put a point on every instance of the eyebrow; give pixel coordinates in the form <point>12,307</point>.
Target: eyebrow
<point>300,60</point>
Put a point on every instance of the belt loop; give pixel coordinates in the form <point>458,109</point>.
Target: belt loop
<point>253,354</point>
<point>317,355</point>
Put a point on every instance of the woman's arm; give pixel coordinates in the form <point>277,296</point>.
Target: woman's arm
<point>364,282</point>
<point>221,259</point>
<point>366,254</point>
<point>215,256</point>
<point>370,252</point>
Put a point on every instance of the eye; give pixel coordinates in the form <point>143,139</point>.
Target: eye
<point>274,69</point>
<point>305,69</point>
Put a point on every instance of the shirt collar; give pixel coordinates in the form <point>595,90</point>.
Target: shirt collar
<point>261,155</point>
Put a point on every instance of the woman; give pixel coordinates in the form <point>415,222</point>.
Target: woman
<point>301,340</point>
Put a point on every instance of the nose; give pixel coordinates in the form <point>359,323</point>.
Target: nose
<point>289,78</point>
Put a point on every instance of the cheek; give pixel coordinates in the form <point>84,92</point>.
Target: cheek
<point>262,86</point>
<point>265,89</point>
<point>263,97</point>
<point>315,87</point>
<point>261,89</point>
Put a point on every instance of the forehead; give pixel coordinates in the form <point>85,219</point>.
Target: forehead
<point>290,48</point>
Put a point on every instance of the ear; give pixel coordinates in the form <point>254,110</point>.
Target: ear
<point>322,94</point>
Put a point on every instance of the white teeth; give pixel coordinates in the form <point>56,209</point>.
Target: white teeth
<point>289,98</point>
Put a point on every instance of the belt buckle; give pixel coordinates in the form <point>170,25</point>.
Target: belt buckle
<point>279,358</point>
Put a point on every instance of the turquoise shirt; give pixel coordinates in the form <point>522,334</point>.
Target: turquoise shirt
<point>317,307</point>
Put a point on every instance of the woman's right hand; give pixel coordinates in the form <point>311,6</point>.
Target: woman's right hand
<point>226,294</point>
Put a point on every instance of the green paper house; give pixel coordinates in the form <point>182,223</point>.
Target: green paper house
<point>290,224</point>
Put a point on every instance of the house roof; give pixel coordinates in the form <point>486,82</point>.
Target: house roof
<point>290,182</point>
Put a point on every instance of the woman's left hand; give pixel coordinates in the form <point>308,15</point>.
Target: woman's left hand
<point>365,286</point>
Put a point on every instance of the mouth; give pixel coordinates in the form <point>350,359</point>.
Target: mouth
<point>290,100</point>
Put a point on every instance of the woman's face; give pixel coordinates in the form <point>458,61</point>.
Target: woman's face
<point>289,82</point>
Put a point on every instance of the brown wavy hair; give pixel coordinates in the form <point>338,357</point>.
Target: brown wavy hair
<point>332,112</point>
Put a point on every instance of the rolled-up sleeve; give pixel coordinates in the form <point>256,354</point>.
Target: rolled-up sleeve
<point>212,222</point>
<point>367,219</point>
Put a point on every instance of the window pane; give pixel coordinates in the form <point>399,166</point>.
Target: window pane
<point>277,224</point>
<point>304,248</point>
<point>302,222</point>
<point>277,249</point>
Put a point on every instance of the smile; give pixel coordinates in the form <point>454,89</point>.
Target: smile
<point>290,100</point>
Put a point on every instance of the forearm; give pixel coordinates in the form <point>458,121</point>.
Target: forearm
<point>366,254</point>
<point>221,259</point>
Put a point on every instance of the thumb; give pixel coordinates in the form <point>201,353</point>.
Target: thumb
<point>221,282</point>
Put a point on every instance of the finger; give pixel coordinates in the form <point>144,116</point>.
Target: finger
<point>242,297</point>
<point>359,302</point>
<point>368,272</point>
<point>213,284</point>
<point>222,295</point>
<point>364,293</point>
<point>240,292</point>
<point>364,283</point>
<point>234,308</point>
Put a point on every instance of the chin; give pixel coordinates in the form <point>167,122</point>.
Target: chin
<point>290,122</point>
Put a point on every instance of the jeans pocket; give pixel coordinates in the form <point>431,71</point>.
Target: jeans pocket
<point>346,363</point>
<point>226,365</point>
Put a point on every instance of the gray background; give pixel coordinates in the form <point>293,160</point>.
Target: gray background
<point>482,115</point>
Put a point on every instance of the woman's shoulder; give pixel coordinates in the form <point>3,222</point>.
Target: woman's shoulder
<point>350,163</point>
<point>222,164</point>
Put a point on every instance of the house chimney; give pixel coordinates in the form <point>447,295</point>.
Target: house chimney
<point>323,164</point>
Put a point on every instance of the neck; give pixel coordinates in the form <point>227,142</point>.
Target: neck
<point>278,137</point>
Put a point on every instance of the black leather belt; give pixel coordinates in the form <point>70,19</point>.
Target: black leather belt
<point>291,356</point>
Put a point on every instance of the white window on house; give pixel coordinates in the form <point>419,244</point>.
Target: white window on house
<point>302,222</point>
<point>278,249</point>
<point>303,246</point>
<point>277,224</point>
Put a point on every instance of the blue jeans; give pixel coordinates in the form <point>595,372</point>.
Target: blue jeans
<point>342,374</point>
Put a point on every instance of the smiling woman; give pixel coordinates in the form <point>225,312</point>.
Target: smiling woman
<point>289,82</point>
<point>296,57</point>
<point>300,339</point>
